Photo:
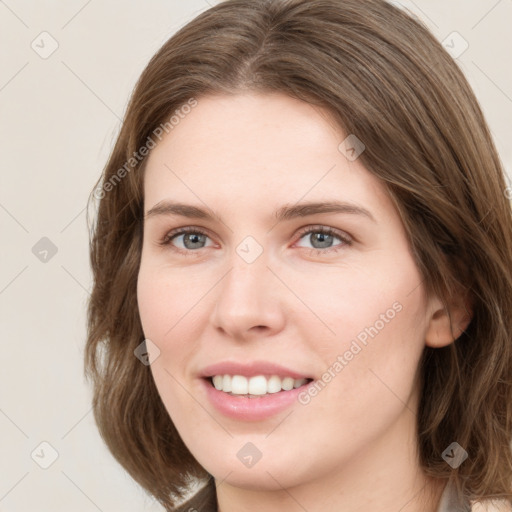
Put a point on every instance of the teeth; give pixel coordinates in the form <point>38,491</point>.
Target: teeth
<point>274,384</point>
<point>239,385</point>
<point>226,382</point>
<point>287,383</point>
<point>258,385</point>
<point>218,381</point>
<point>255,385</point>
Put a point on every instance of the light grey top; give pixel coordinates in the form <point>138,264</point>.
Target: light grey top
<point>449,502</point>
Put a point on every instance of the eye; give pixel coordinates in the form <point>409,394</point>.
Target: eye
<point>322,237</point>
<point>192,239</point>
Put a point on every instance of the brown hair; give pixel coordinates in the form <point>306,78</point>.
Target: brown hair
<point>386,79</point>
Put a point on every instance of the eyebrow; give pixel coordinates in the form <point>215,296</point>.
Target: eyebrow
<point>287,212</point>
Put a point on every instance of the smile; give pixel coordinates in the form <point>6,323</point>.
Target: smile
<point>259,402</point>
<point>255,386</point>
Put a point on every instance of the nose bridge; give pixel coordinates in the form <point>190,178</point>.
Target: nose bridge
<point>246,296</point>
<point>245,283</point>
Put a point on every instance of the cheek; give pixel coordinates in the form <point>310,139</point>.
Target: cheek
<point>152,302</point>
<point>163,312</point>
<point>164,300</point>
<point>172,308</point>
<point>378,300</point>
<point>376,315</point>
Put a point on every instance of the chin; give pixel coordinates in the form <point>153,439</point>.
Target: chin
<point>265,475</point>
<point>257,480</point>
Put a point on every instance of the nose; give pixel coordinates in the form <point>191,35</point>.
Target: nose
<point>249,301</point>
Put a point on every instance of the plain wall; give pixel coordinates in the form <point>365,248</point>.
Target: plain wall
<point>59,117</point>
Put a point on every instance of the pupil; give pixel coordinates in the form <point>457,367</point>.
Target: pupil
<point>194,238</point>
<point>324,239</point>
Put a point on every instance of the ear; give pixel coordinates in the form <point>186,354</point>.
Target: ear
<point>447,321</point>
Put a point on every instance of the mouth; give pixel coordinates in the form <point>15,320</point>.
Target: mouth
<point>257,386</point>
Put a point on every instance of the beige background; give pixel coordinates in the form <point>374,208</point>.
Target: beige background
<point>59,118</point>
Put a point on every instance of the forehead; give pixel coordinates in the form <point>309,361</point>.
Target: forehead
<point>251,150</point>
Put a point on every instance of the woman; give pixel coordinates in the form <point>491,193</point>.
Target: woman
<point>303,269</point>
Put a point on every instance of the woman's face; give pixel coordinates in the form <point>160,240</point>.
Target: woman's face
<point>260,283</point>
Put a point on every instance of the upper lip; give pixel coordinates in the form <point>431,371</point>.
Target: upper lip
<point>250,369</point>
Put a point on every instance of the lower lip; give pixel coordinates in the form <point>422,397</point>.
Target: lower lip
<point>251,409</point>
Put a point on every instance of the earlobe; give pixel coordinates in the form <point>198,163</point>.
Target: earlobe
<point>446,325</point>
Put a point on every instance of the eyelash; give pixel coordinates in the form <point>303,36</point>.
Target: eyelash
<point>166,240</point>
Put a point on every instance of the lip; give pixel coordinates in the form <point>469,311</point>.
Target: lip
<point>251,369</point>
<point>251,409</point>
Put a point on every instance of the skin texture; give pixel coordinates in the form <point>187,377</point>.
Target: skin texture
<point>353,446</point>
